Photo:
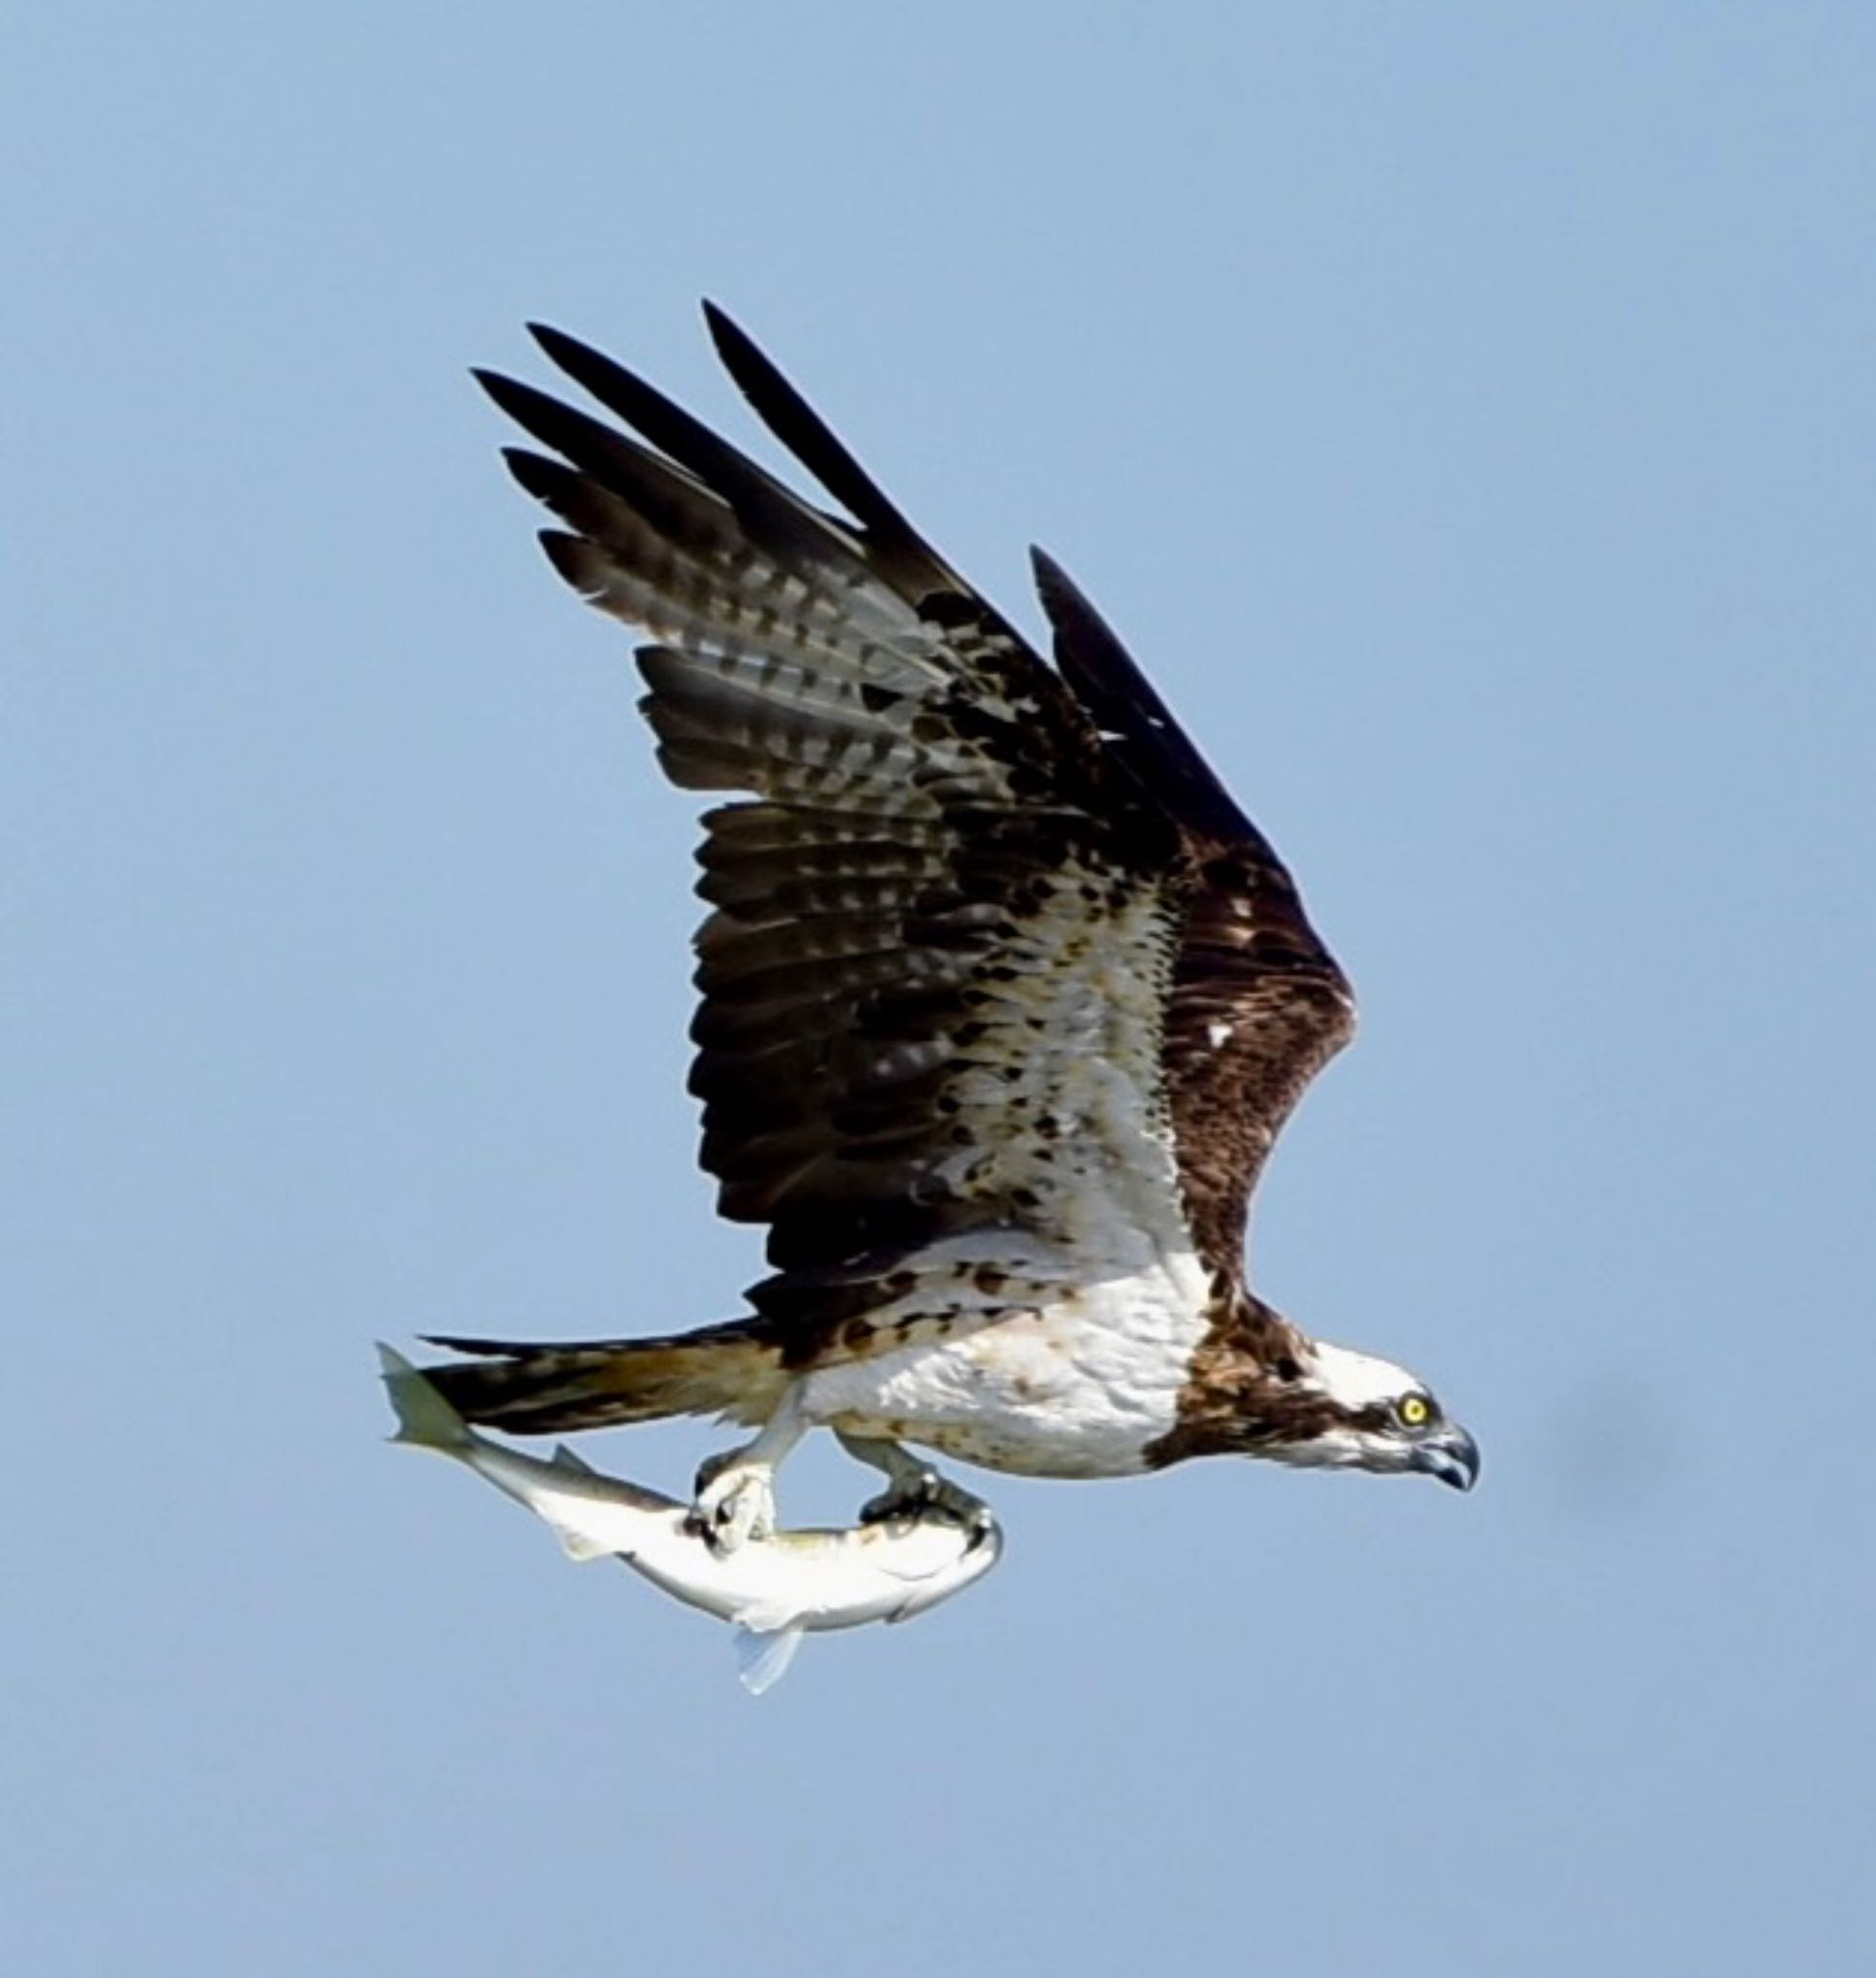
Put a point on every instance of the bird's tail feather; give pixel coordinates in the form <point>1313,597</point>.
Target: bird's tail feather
<point>549,1390</point>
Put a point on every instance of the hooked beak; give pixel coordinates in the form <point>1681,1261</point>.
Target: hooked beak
<point>1450,1455</point>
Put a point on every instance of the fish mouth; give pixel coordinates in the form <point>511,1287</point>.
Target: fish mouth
<point>1451,1456</point>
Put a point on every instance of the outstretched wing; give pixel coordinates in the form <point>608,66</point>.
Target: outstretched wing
<point>945,924</point>
<point>1259,1004</point>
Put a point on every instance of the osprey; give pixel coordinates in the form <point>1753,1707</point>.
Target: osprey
<point>1004,1000</point>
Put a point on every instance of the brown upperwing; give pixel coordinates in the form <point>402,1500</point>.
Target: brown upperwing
<point>1259,1004</point>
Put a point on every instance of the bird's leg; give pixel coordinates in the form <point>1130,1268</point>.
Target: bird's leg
<point>735,1490</point>
<point>915,1489</point>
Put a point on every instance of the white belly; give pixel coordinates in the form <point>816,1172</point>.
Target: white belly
<point>1078,1387</point>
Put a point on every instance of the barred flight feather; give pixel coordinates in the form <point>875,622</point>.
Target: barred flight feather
<point>948,982</point>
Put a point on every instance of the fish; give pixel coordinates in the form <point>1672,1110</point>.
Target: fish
<point>774,1590</point>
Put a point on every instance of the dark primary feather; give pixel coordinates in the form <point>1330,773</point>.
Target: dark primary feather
<point>894,546</point>
<point>954,884</point>
<point>1136,724</point>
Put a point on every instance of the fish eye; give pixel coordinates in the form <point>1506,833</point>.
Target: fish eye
<point>1413,1411</point>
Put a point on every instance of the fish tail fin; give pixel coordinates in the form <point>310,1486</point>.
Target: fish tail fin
<point>424,1417</point>
<point>549,1390</point>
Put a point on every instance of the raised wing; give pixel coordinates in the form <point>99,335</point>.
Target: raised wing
<point>945,929</point>
<point>1259,1004</point>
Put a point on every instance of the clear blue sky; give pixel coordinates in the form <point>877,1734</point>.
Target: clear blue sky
<point>1467,412</point>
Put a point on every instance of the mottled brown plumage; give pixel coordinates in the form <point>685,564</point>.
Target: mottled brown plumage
<point>1243,1392</point>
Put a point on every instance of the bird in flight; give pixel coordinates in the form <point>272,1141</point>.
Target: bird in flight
<point>1002,1001</point>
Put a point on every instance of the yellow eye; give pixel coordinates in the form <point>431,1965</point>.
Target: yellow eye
<point>1415,1411</point>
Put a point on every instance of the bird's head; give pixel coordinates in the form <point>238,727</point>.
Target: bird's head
<point>1372,1415</point>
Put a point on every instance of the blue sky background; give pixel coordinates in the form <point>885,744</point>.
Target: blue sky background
<point>1467,412</point>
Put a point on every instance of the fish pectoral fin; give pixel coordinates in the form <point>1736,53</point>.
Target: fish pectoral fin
<point>576,1540</point>
<point>764,1654</point>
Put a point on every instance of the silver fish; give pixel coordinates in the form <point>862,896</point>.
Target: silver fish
<point>773,1588</point>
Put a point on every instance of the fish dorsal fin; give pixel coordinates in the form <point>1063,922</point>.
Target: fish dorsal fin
<point>763,1656</point>
<point>575,1540</point>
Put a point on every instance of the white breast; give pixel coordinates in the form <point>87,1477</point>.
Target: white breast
<point>1078,1385</point>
